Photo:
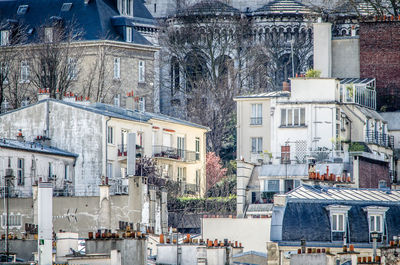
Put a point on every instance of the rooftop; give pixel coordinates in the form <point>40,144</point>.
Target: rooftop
<point>34,147</point>
<point>285,7</point>
<point>265,95</point>
<point>316,193</point>
<point>393,119</point>
<point>209,7</point>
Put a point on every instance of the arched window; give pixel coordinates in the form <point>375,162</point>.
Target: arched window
<point>195,70</point>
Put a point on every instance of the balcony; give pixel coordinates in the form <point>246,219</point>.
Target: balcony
<point>256,121</point>
<point>378,138</point>
<point>123,151</point>
<point>173,153</point>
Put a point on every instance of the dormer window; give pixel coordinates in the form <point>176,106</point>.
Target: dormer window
<point>22,9</point>
<point>339,217</point>
<point>128,34</point>
<point>5,37</point>
<point>48,35</point>
<point>376,220</point>
<point>126,7</point>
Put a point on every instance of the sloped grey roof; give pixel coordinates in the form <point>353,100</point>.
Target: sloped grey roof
<point>370,113</point>
<point>281,7</point>
<point>393,120</point>
<point>315,193</point>
<point>34,147</point>
<point>209,7</point>
<point>356,80</point>
<point>263,207</point>
<point>361,8</point>
<point>252,252</point>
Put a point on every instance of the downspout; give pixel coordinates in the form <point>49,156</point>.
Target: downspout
<point>47,119</point>
<point>105,164</point>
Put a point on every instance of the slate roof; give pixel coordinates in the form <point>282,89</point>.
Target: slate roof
<point>393,120</point>
<point>305,215</point>
<point>94,18</point>
<point>284,7</point>
<point>209,7</point>
<point>34,147</point>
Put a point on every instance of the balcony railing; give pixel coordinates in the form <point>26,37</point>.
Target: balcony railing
<point>256,121</point>
<point>123,150</point>
<point>174,153</point>
<point>382,139</point>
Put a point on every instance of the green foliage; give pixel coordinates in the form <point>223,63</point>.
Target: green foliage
<point>212,205</point>
<point>224,188</point>
<point>349,88</point>
<point>356,147</point>
<point>313,73</point>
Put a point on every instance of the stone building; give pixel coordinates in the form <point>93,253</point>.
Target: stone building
<point>98,134</point>
<point>107,52</point>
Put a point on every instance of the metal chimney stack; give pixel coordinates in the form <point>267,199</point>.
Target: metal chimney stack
<point>131,163</point>
<point>45,223</point>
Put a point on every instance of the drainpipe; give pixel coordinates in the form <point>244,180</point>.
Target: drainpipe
<point>47,119</point>
<point>109,118</point>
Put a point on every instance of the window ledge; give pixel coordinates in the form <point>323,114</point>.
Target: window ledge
<point>254,124</point>
<point>300,126</point>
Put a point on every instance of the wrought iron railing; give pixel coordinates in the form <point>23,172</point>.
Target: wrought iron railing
<point>382,139</point>
<point>174,153</point>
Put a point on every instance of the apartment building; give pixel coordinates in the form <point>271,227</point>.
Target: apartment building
<point>97,133</point>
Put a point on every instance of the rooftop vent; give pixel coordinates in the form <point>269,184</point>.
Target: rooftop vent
<point>66,7</point>
<point>22,9</point>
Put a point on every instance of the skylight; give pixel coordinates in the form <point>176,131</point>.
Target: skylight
<point>66,7</point>
<point>22,9</point>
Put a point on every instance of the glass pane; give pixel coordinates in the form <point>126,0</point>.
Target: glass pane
<point>296,116</point>
<point>259,110</point>
<point>341,222</point>
<point>290,117</point>
<point>253,145</point>
<point>273,185</point>
<point>372,223</point>
<point>259,148</point>
<point>302,116</point>
<point>283,117</point>
<point>334,222</point>
<point>378,223</point>
<point>253,110</point>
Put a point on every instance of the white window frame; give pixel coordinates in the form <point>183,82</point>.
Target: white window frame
<point>256,114</point>
<point>256,144</point>
<point>110,135</point>
<point>372,213</point>
<point>66,172</point>
<point>14,220</point>
<point>128,33</point>
<point>142,72</point>
<point>117,67</point>
<point>373,224</point>
<point>72,68</point>
<point>267,184</point>
<point>5,37</point>
<point>197,148</point>
<point>290,115</point>
<point>48,35</point>
<point>335,212</point>
<point>181,174</point>
<point>24,72</point>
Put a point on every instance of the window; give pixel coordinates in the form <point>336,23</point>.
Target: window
<point>66,7</point>
<point>110,135</point>
<point>181,146</point>
<point>271,185</point>
<point>338,223</point>
<point>72,69</point>
<point>126,7</point>
<point>382,184</point>
<point>256,114</point>
<point>117,68</point>
<point>4,72</point>
<point>5,37</point>
<point>198,174</point>
<point>141,72</point>
<point>293,117</point>
<point>21,171</point>
<point>66,172</point>
<point>109,170</point>
<point>197,148</point>
<point>375,223</point>
<point>116,101</point>
<point>50,176</point>
<point>155,8</point>
<point>128,34</point>
<point>142,104</point>
<point>167,139</point>
<point>14,220</point>
<point>24,72</point>
<point>256,145</point>
<point>139,139</point>
<point>181,174</point>
<point>285,154</point>
<point>48,35</point>
<point>175,78</point>
<point>22,9</point>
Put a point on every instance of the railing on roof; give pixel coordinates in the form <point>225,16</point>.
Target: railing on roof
<point>174,153</point>
<point>361,92</point>
<point>378,138</point>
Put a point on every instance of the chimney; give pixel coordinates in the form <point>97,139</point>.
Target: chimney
<point>131,101</point>
<point>286,86</point>
<point>323,48</point>
<point>43,94</point>
<point>20,137</point>
<point>131,163</point>
<point>69,97</point>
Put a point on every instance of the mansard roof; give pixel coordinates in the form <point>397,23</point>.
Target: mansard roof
<point>284,7</point>
<point>209,7</point>
<point>94,18</point>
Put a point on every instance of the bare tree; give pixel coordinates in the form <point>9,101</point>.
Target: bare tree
<point>54,60</point>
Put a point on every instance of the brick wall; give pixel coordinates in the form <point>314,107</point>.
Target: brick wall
<point>371,172</point>
<point>380,58</point>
